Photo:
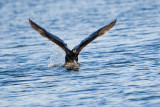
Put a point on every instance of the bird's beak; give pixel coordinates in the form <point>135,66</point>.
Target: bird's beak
<point>74,51</point>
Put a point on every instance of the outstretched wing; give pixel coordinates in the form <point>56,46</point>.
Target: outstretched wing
<point>50,36</point>
<point>93,36</point>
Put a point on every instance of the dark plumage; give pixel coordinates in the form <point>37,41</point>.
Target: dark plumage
<point>71,55</point>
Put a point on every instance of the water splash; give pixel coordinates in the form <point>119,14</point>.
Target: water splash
<point>57,57</point>
<point>72,66</point>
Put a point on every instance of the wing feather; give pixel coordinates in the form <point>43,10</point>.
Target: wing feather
<point>93,36</point>
<point>49,36</point>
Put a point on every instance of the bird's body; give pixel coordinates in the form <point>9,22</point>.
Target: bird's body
<point>71,58</point>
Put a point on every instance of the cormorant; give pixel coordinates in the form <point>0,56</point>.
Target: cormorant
<point>71,58</point>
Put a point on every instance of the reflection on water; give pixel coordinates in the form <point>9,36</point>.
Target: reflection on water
<point>121,68</point>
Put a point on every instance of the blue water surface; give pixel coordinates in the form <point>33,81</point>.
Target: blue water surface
<point>119,69</point>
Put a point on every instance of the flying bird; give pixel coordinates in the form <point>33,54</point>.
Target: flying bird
<point>71,57</point>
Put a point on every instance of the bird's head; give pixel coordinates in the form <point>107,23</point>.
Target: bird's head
<point>73,56</point>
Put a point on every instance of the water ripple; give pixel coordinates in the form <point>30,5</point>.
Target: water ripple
<point>121,68</point>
